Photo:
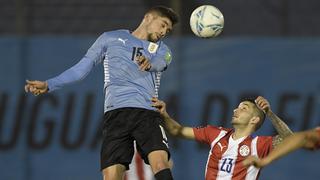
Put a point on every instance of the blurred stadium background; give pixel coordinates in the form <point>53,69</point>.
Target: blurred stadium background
<point>268,48</point>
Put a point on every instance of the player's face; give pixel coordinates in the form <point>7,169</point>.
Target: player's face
<point>243,113</point>
<point>158,28</point>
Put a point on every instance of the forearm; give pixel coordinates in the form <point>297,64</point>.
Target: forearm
<point>172,126</point>
<point>74,74</point>
<point>288,145</point>
<point>280,126</point>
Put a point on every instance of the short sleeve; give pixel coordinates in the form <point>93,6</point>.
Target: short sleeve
<point>264,145</point>
<point>206,134</point>
<point>162,59</point>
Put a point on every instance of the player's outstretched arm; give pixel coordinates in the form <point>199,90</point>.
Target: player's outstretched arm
<point>172,126</point>
<point>307,139</point>
<point>281,127</point>
<point>36,87</point>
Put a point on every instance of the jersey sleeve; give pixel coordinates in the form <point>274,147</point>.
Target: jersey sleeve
<point>80,70</point>
<point>206,134</point>
<point>162,59</point>
<point>264,145</point>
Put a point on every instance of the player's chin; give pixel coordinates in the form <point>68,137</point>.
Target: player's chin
<point>154,38</point>
<point>234,122</point>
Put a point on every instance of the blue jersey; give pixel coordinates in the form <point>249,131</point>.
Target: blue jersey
<point>124,84</point>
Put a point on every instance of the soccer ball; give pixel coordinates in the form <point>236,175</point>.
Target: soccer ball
<point>206,21</point>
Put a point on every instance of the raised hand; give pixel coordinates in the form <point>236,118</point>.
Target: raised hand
<point>144,63</point>
<point>160,105</point>
<point>263,104</point>
<point>36,87</point>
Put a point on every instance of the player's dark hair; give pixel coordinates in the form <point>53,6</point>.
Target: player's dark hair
<point>165,12</point>
<point>258,112</point>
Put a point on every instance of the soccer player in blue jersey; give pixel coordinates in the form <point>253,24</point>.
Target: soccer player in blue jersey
<point>133,63</point>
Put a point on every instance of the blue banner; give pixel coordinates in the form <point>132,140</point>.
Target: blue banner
<point>57,136</point>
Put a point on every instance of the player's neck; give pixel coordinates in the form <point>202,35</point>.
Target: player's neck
<point>239,133</point>
<point>139,33</point>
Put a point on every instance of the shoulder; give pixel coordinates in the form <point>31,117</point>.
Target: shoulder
<point>119,32</point>
<point>163,46</point>
<point>211,128</point>
<point>264,142</point>
<point>263,138</point>
<point>164,51</point>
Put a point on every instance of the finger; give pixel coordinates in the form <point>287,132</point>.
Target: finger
<point>31,82</point>
<point>156,104</point>
<point>31,88</point>
<point>143,66</point>
<point>257,99</point>
<point>34,90</point>
<point>140,59</point>
<point>42,91</point>
<point>26,88</point>
<point>262,104</point>
<point>148,67</point>
<point>37,92</point>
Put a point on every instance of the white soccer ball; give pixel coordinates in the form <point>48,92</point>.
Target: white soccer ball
<point>206,21</point>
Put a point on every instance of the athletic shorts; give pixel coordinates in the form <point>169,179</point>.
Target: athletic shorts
<point>124,125</point>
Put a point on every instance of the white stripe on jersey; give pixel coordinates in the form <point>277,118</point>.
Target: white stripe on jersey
<point>106,70</point>
<point>221,135</point>
<point>228,159</point>
<point>252,172</point>
<point>157,84</point>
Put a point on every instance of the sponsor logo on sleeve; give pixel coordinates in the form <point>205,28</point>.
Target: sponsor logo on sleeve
<point>168,57</point>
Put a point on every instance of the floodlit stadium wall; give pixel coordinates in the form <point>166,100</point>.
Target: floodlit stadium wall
<point>57,136</point>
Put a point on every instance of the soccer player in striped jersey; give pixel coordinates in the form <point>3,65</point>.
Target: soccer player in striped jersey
<point>309,139</point>
<point>229,147</point>
<point>133,62</point>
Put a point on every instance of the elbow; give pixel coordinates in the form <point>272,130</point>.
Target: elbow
<point>175,131</point>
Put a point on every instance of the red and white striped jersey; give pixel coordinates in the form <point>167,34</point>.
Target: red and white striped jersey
<point>139,170</point>
<point>226,155</point>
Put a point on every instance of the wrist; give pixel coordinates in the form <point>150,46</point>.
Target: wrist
<point>269,112</point>
<point>46,86</point>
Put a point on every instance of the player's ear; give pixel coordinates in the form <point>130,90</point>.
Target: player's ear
<point>255,120</point>
<point>148,17</point>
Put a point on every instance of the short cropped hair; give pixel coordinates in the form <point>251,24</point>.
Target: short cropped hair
<point>165,12</point>
<point>257,112</point>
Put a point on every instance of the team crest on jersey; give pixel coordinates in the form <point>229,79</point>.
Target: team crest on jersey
<point>244,150</point>
<point>152,47</point>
